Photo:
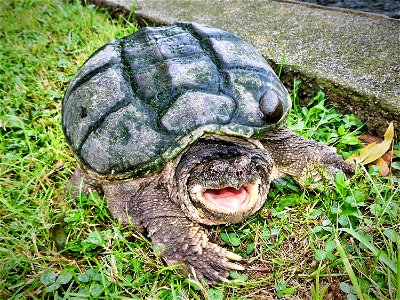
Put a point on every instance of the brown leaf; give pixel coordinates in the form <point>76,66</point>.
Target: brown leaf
<point>383,167</point>
<point>389,156</point>
<point>57,166</point>
<point>369,139</point>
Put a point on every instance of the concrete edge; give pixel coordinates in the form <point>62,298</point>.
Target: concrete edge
<point>340,9</point>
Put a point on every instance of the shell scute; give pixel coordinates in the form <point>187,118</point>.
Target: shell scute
<point>106,55</point>
<point>94,98</point>
<point>164,62</point>
<point>195,109</point>
<point>237,54</point>
<point>249,86</point>
<point>126,137</point>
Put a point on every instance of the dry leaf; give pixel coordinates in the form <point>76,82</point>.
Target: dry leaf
<point>389,156</point>
<point>374,151</point>
<point>58,165</point>
<point>383,167</point>
<point>369,139</point>
<point>358,156</point>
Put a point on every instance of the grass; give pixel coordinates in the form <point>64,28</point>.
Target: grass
<point>336,242</point>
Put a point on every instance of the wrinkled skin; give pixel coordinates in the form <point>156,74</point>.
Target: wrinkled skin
<point>216,181</point>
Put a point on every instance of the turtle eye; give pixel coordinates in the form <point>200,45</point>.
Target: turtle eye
<point>271,106</point>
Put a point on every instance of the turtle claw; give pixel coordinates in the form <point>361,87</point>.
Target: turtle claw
<point>213,264</point>
<point>234,266</point>
<point>224,280</point>
<point>233,256</point>
<point>188,245</point>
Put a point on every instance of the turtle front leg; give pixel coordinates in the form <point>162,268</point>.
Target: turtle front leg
<point>180,240</point>
<point>302,158</point>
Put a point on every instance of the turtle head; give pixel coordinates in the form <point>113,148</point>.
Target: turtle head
<point>223,182</point>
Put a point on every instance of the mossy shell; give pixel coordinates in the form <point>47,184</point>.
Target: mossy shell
<point>138,102</point>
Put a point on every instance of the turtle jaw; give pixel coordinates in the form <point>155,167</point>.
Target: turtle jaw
<point>228,204</point>
<point>228,199</point>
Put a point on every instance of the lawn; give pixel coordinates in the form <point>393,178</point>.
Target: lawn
<point>339,241</point>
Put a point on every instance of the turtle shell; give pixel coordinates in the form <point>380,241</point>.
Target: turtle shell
<point>139,101</point>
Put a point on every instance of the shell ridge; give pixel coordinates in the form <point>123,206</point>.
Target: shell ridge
<point>155,39</point>
<point>177,92</point>
<point>66,100</point>
<point>259,71</point>
<point>113,61</point>
<point>125,102</point>
<point>126,69</point>
<point>150,37</point>
<point>206,46</point>
<point>88,76</point>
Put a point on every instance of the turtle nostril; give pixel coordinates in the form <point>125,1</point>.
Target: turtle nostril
<point>271,106</point>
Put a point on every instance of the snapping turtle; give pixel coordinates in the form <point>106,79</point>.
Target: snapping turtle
<point>183,126</point>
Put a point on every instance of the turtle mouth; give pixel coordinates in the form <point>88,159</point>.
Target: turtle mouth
<point>228,199</point>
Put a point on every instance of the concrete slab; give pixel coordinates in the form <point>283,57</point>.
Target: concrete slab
<point>353,57</point>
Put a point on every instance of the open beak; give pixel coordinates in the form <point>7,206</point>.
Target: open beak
<point>227,198</point>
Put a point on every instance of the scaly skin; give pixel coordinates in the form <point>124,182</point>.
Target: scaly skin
<point>164,204</point>
<point>180,240</point>
<point>301,158</point>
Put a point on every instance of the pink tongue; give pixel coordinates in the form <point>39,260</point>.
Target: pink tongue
<point>228,197</point>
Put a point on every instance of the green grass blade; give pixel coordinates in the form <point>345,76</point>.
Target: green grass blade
<point>382,256</point>
<point>43,43</point>
<point>398,270</point>
<point>349,269</point>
